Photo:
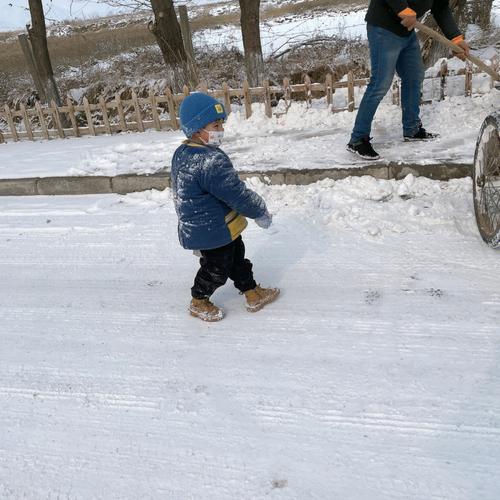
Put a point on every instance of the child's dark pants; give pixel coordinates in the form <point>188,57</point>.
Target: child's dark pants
<point>219,264</point>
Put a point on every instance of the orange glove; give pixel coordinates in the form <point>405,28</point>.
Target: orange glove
<point>460,42</point>
<point>409,18</point>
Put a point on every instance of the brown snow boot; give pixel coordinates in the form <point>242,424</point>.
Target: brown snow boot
<point>205,310</point>
<point>259,297</point>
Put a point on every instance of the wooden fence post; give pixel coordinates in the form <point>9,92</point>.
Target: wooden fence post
<point>41,117</point>
<point>267,100</point>
<point>72,117</point>
<point>443,73</point>
<point>121,114</point>
<point>10,121</point>
<point>2,139</point>
<point>135,100</point>
<point>328,89</point>
<point>248,99</point>
<point>307,83</point>
<point>57,118</point>
<point>88,114</point>
<point>287,93</point>
<point>495,65</point>
<point>185,90</point>
<point>227,98</point>
<point>468,79</point>
<point>27,123</point>
<point>105,116</point>
<point>154,110</point>
<point>171,109</point>
<point>350,91</point>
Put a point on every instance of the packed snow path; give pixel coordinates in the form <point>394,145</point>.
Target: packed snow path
<point>375,376</point>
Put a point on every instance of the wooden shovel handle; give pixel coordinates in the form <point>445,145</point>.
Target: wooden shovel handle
<point>458,50</point>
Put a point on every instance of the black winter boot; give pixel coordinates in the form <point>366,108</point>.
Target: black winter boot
<point>421,135</point>
<point>364,149</point>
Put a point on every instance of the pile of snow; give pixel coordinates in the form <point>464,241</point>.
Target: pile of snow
<point>455,83</point>
<point>368,206</point>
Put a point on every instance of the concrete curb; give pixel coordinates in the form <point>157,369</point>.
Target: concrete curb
<point>129,183</point>
<point>73,185</point>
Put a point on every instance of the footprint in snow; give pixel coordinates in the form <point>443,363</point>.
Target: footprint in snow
<point>279,483</point>
<point>372,296</point>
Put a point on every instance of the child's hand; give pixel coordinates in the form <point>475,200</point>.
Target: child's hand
<point>265,221</point>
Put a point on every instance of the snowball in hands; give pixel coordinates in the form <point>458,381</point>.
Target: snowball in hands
<point>265,221</point>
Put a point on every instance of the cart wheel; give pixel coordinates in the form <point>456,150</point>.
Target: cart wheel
<point>486,181</point>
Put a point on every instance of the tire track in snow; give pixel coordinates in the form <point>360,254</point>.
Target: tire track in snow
<point>283,416</point>
<point>119,400</point>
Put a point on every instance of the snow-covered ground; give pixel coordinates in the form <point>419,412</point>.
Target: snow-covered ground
<point>280,33</point>
<point>305,137</point>
<point>376,375</point>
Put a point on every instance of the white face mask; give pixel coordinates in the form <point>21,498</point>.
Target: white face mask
<point>214,137</point>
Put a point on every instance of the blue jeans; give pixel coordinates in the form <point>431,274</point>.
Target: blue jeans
<point>390,53</point>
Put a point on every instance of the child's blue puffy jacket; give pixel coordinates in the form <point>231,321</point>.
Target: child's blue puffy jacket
<point>210,199</point>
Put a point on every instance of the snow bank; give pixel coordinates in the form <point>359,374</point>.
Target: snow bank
<point>368,206</point>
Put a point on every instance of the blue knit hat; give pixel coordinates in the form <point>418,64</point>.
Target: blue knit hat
<point>198,110</point>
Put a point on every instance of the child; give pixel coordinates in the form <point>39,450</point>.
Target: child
<point>211,203</point>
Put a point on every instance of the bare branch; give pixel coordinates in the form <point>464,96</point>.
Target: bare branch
<point>133,5</point>
<point>309,43</point>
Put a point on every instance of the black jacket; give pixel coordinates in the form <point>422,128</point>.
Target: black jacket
<point>384,13</point>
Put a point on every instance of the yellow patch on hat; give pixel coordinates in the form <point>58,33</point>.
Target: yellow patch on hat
<point>219,108</point>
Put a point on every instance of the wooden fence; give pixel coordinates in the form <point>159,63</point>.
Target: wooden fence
<point>161,111</point>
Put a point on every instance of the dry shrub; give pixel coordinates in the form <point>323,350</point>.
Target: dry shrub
<point>218,66</point>
<point>336,56</point>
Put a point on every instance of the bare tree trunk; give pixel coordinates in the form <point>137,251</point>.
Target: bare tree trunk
<point>168,35</point>
<point>480,13</point>
<point>250,31</point>
<point>38,38</point>
<point>432,50</point>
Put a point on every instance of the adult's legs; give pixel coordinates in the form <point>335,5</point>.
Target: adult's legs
<point>410,69</point>
<point>385,48</point>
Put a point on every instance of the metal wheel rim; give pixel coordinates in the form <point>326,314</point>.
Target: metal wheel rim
<point>487,183</point>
